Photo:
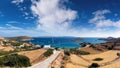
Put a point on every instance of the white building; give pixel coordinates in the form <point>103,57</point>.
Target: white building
<point>47,46</point>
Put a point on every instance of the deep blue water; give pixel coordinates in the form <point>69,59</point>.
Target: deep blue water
<point>63,42</point>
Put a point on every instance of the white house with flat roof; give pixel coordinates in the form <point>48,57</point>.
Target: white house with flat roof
<point>47,46</point>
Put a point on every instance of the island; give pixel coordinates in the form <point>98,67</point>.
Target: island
<point>20,38</point>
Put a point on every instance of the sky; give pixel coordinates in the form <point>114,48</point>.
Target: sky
<point>79,18</point>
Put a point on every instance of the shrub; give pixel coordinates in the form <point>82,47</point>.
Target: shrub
<point>1,61</point>
<point>56,48</point>
<point>7,52</point>
<point>52,67</point>
<point>48,52</point>
<point>65,58</point>
<point>75,51</point>
<point>94,65</point>
<point>98,59</point>
<point>67,53</point>
<point>15,60</point>
<point>42,46</point>
<point>82,52</point>
<point>118,54</point>
<point>62,67</point>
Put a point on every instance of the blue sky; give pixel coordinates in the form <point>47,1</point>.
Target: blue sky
<point>83,18</point>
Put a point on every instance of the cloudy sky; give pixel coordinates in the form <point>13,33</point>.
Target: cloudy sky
<point>83,18</point>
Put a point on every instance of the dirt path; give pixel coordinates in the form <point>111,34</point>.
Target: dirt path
<point>47,62</point>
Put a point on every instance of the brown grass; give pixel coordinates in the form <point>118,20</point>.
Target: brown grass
<point>33,55</point>
<point>108,57</point>
<point>70,65</point>
<point>90,50</point>
<point>8,48</point>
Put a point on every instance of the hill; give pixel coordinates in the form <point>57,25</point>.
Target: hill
<point>20,38</point>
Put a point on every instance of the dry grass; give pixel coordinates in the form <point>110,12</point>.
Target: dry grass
<point>77,60</point>
<point>113,65</point>
<point>8,48</point>
<point>33,55</point>
<point>90,50</point>
<point>108,56</point>
<point>70,65</point>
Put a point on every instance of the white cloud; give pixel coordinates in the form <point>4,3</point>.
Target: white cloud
<point>99,15</point>
<point>100,20</point>
<point>13,22</point>
<point>9,26</point>
<point>53,17</point>
<point>17,2</point>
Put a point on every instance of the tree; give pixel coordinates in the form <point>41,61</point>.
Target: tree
<point>15,60</point>
<point>94,65</point>
<point>67,53</point>
<point>48,52</point>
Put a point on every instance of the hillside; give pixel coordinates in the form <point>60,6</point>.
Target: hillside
<point>20,38</point>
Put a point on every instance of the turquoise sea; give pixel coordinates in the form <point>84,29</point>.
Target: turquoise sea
<point>63,42</point>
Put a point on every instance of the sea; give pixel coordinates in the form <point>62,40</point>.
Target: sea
<point>63,42</point>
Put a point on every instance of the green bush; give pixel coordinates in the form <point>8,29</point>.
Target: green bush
<point>78,52</point>
<point>15,60</point>
<point>94,65</point>
<point>16,44</point>
<point>67,53</point>
<point>65,58</point>
<point>7,52</point>
<point>48,52</point>
<point>82,52</point>
<point>98,59</point>
<point>62,67</point>
<point>118,54</point>
<point>52,67</point>
<point>1,61</point>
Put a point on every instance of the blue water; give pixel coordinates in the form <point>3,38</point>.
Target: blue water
<point>63,42</point>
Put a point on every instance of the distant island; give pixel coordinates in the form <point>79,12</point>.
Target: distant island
<point>77,39</point>
<point>20,38</point>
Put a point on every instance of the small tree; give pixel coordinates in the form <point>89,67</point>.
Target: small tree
<point>48,52</point>
<point>1,62</point>
<point>67,53</point>
<point>94,65</point>
<point>16,60</point>
<point>98,59</point>
<point>118,54</point>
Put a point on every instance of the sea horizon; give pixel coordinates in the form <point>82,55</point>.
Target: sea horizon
<point>63,42</point>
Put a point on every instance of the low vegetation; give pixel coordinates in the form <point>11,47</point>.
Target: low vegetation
<point>78,52</point>
<point>67,53</point>
<point>15,60</point>
<point>118,54</point>
<point>48,52</point>
<point>94,65</point>
<point>16,44</point>
<point>84,44</point>
<point>62,67</point>
<point>7,52</point>
<point>98,59</point>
